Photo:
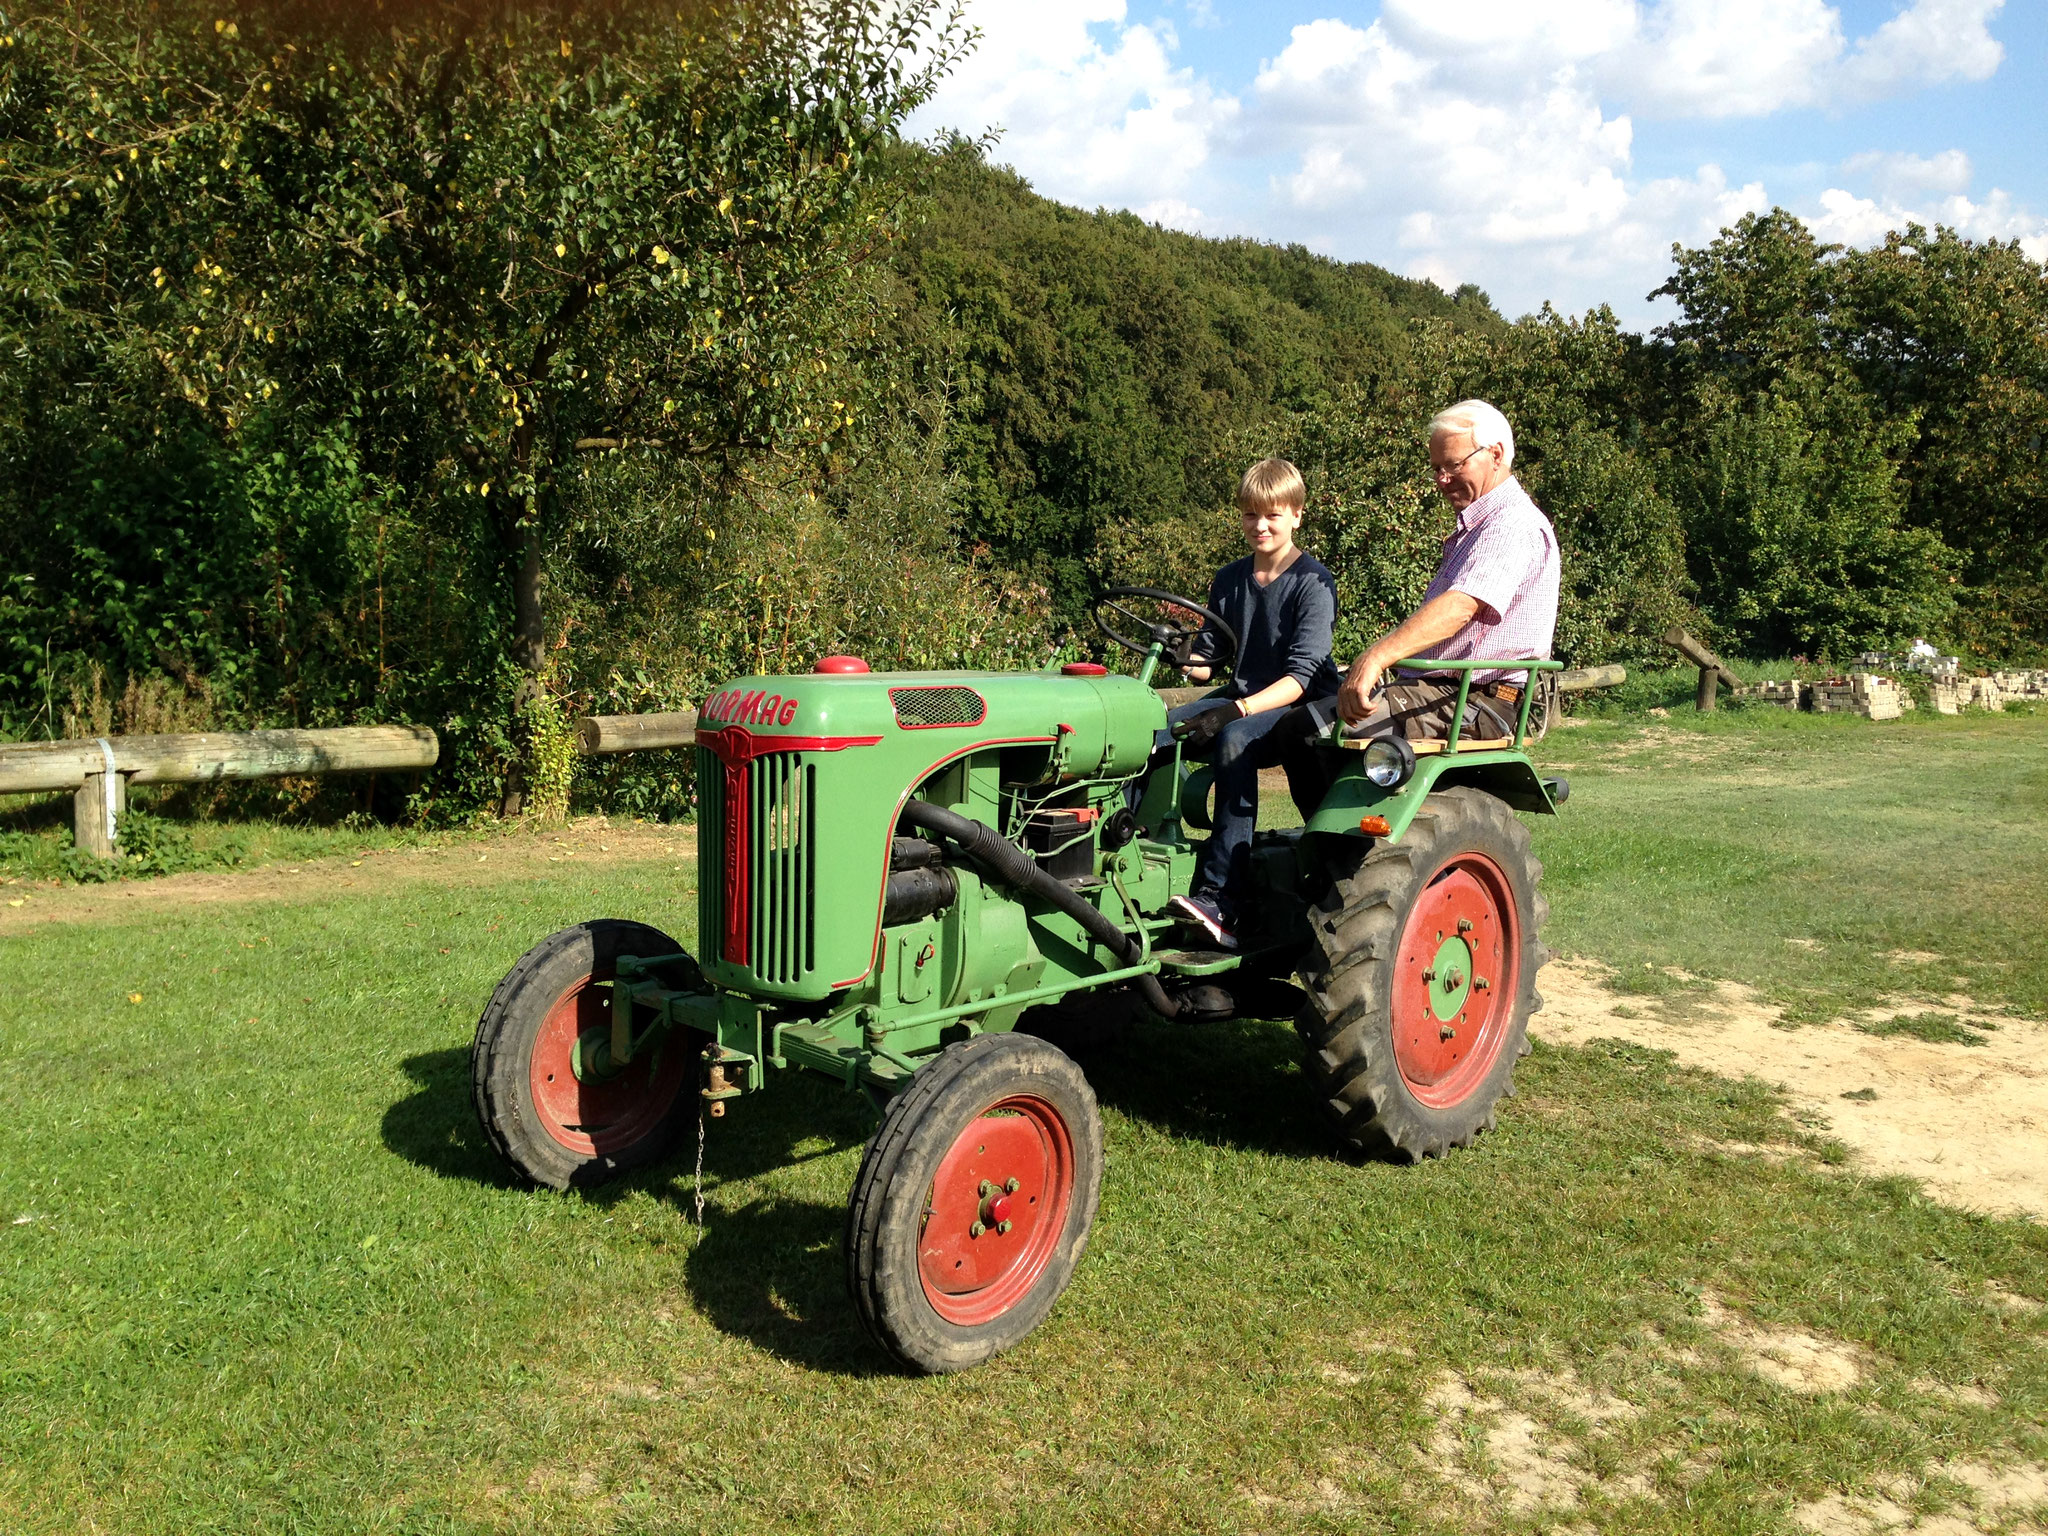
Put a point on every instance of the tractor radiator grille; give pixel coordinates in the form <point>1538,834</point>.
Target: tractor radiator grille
<point>920,709</point>
<point>758,864</point>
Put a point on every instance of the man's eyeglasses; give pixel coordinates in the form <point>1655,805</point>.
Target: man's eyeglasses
<point>1445,471</point>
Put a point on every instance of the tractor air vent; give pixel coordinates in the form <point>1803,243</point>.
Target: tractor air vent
<point>920,709</point>
<point>758,864</point>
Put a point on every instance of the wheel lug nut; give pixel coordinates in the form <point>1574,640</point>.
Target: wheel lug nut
<point>976,1230</point>
<point>1429,975</point>
<point>1011,1186</point>
<point>1447,1033</point>
<point>1464,925</point>
<point>1479,982</point>
<point>986,1189</point>
<point>1002,1227</point>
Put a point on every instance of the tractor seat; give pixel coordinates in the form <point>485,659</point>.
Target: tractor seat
<point>1435,745</point>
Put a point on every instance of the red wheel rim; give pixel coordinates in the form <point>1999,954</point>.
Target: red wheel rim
<point>1455,981</point>
<point>598,1114</point>
<point>971,1277</point>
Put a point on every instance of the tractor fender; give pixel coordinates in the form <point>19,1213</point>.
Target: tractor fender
<point>1508,776</point>
<point>1513,781</point>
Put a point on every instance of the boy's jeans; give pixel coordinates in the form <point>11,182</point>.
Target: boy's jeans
<point>1241,749</point>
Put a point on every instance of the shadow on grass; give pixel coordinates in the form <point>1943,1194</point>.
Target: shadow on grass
<point>436,1128</point>
<point>1232,1084</point>
<point>774,1273</point>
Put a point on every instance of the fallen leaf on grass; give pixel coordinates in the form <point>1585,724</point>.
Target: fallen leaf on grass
<point>134,997</point>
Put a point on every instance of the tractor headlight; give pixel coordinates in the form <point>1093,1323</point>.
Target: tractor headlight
<point>1389,761</point>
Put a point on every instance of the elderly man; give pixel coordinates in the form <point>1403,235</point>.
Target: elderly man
<point>1494,594</point>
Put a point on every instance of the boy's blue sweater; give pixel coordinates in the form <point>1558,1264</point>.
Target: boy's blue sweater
<point>1283,628</point>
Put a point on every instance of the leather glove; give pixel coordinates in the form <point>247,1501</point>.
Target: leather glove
<point>1198,732</point>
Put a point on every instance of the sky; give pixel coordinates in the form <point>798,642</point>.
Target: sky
<point>1547,150</point>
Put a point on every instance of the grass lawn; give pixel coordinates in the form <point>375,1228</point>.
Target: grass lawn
<point>257,1272</point>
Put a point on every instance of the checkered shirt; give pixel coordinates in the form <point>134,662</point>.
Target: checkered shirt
<point>1503,554</point>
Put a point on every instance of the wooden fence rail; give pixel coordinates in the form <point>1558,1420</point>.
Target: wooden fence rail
<point>100,770</point>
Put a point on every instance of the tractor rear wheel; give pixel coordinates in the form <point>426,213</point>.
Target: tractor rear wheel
<point>973,1202</point>
<point>1422,978</point>
<point>546,1090</point>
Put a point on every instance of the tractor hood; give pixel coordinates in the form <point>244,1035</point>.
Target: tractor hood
<point>801,779</point>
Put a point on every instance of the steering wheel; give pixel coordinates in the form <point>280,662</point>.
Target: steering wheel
<point>1174,636</point>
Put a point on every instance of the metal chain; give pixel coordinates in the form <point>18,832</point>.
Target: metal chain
<point>700,1164</point>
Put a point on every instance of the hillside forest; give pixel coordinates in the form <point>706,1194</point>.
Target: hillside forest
<point>484,366</point>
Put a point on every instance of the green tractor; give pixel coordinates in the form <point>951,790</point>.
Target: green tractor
<point>895,867</point>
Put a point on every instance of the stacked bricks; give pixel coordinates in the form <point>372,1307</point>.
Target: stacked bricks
<point>2022,685</point>
<point>1789,694</point>
<point>1947,697</point>
<point>1986,694</point>
<point>1868,694</point>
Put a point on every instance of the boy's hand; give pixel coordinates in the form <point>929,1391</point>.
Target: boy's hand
<point>1197,674</point>
<point>1197,731</point>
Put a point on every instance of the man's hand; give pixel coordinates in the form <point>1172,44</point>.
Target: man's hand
<point>1354,699</point>
<point>1197,731</point>
<point>1435,621</point>
<point>1196,674</point>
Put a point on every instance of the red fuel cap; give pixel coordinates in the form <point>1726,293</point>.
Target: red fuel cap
<point>840,664</point>
<point>1085,669</point>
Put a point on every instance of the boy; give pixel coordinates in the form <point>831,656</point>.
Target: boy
<point>1282,602</point>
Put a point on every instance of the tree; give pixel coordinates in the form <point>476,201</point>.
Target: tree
<point>462,237</point>
<point>1793,526</point>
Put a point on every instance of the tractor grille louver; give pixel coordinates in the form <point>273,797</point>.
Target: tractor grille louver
<point>758,864</point>
<point>919,709</point>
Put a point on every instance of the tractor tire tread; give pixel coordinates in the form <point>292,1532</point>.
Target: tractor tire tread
<point>881,1271</point>
<point>502,1050</point>
<point>1347,978</point>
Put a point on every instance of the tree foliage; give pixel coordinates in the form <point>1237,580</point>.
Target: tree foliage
<point>437,244</point>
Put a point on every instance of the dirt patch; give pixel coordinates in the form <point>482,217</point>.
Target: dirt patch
<point>1524,1448</point>
<point>1970,1123</point>
<point>1494,1452</point>
<point>1794,1359</point>
<point>474,859</point>
<point>1991,1499</point>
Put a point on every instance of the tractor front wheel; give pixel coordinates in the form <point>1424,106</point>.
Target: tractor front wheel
<point>973,1202</point>
<point>1422,979</point>
<point>549,1097</point>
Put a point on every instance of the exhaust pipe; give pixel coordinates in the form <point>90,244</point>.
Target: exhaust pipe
<point>1010,866</point>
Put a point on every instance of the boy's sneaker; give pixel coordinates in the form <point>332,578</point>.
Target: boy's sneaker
<point>1205,915</point>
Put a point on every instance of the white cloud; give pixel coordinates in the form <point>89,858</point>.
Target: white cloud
<point>1488,141</point>
<point>1928,42</point>
<point>1901,175</point>
<point>1852,220</point>
<point>1089,120</point>
<point>1725,58</point>
<point>1926,190</point>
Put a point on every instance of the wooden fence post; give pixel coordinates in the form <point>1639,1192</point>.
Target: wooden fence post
<point>1712,672</point>
<point>96,812</point>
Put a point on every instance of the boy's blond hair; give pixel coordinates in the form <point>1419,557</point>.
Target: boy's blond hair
<point>1271,483</point>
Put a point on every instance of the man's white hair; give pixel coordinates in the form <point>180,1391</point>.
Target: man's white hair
<point>1488,427</point>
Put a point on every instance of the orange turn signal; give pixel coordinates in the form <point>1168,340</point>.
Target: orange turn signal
<point>1374,826</point>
